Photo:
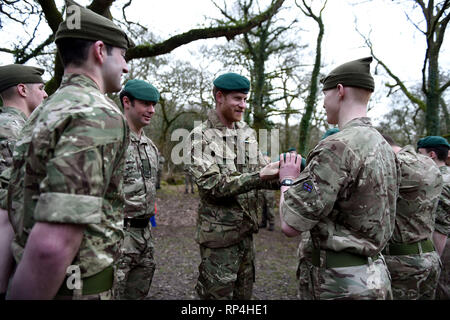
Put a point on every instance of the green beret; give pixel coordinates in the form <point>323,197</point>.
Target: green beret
<point>292,149</point>
<point>352,74</point>
<point>432,141</point>
<point>330,132</point>
<point>13,74</point>
<point>142,90</point>
<point>232,82</point>
<point>91,26</point>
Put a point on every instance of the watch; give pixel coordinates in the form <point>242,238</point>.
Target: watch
<point>287,182</point>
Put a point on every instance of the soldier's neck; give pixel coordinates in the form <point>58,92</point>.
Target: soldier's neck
<point>17,104</point>
<point>136,130</point>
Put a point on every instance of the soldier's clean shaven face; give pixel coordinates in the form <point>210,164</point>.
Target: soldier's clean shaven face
<point>331,105</point>
<point>114,66</point>
<point>233,106</point>
<point>141,112</point>
<point>36,95</point>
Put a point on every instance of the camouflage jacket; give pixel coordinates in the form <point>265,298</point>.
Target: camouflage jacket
<point>74,169</point>
<point>225,165</point>
<point>11,122</point>
<point>16,185</point>
<point>443,209</point>
<point>420,187</point>
<point>346,196</point>
<point>139,179</point>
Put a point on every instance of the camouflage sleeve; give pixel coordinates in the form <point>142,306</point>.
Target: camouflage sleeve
<point>443,212</point>
<point>76,170</point>
<point>215,175</point>
<point>6,149</point>
<point>4,182</point>
<point>315,191</point>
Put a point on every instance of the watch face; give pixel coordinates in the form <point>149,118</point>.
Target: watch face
<point>287,182</point>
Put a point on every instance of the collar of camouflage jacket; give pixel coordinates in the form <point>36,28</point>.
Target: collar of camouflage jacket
<point>78,79</point>
<point>358,122</point>
<point>408,149</point>
<point>135,138</point>
<point>14,111</point>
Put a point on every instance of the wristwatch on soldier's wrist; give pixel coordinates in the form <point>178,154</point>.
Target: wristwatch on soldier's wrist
<point>287,182</point>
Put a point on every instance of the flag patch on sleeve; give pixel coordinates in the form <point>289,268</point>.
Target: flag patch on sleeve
<point>308,186</point>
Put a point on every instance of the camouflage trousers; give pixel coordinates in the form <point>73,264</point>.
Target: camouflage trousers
<point>415,276</point>
<point>443,289</point>
<point>227,273</point>
<point>136,265</point>
<point>366,282</point>
<point>268,206</point>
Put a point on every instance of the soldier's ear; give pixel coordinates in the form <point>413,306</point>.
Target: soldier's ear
<point>21,90</point>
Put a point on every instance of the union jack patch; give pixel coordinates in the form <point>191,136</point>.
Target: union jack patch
<point>307,186</point>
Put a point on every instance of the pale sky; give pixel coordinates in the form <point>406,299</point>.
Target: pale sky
<point>395,39</point>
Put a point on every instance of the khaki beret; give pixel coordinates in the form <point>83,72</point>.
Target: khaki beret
<point>13,74</point>
<point>352,74</point>
<point>91,26</point>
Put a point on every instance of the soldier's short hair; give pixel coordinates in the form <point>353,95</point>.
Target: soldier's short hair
<point>441,152</point>
<point>124,93</point>
<point>74,51</point>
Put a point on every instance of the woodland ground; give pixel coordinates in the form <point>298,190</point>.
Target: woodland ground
<point>177,254</point>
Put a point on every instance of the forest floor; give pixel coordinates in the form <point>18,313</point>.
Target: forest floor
<point>177,254</point>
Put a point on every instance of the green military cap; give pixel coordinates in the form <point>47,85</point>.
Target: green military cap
<point>432,141</point>
<point>142,90</point>
<point>330,132</point>
<point>353,74</point>
<point>91,26</point>
<point>232,82</point>
<point>291,149</point>
<point>13,74</point>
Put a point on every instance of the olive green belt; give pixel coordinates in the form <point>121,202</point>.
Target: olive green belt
<point>400,249</point>
<point>340,259</point>
<point>97,283</point>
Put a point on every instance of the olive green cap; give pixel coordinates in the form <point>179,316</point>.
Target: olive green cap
<point>93,27</point>
<point>352,74</point>
<point>432,141</point>
<point>330,132</point>
<point>232,82</point>
<point>13,74</point>
<point>142,90</point>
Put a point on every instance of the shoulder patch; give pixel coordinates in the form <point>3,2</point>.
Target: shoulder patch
<point>308,186</point>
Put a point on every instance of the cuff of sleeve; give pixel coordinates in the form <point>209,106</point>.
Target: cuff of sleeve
<point>444,229</point>
<point>68,208</point>
<point>295,220</point>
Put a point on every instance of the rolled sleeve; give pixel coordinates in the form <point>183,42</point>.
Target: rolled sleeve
<point>68,208</point>
<point>296,220</point>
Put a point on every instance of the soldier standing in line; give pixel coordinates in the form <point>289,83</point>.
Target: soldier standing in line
<point>136,266</point>
<point>346,196</point>
<point>72,217</point>
<point>21,90</point>
<point>410,255</point>
<point>188,182</point>
<point>437,148</point>
<point>226,165</point>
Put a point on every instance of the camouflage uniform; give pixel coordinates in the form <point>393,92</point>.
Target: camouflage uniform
<point>136,265</point>
<point>79,136</point>
<point>346,198</point>
<point>443,226</point>
<point>160,170</point>
<point>227,179</point>
<point>414,275</point>
<point>268,207</point>
<point>11,122</point>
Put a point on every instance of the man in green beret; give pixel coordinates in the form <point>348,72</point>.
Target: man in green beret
<point>346,195</point>
<point>21,90</point>
<point>410,255</point>
<point>136,264</point>
<point>228,168</point>
<point>69,229</point>
<point>437,148</point>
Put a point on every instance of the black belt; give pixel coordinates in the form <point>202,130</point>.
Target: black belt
<point>401,249</point>
<point>136,222</point>
<point>341,259</point>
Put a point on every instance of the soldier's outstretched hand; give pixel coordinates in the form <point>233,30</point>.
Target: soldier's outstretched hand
<point>290,166</point>
<point>270,171</point>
